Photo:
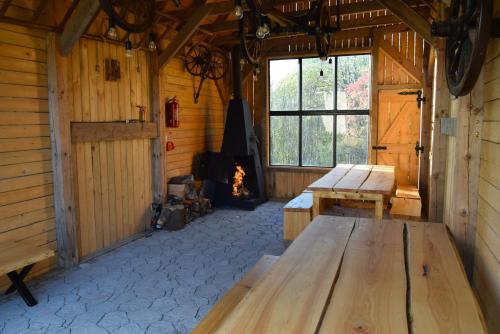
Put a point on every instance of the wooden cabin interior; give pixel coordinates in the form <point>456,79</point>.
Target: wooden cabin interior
<point>250,166</point>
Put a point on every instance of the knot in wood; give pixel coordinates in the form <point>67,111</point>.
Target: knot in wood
<point>463,212</point>
<point>359,327</point>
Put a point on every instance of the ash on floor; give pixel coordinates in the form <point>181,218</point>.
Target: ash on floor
<point>162,284</point>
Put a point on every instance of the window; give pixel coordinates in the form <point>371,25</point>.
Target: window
<point>319,120</point>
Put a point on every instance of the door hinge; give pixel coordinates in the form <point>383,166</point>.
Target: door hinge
<point>419,93</point>
<point>379,147</point>
<point>419,149</point>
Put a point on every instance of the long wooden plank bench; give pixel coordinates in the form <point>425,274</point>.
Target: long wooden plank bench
<point>226,305</point>
<point>16,255</point>
<point>352,275</point>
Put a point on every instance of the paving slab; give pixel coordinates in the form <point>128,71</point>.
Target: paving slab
<point>161,284</point>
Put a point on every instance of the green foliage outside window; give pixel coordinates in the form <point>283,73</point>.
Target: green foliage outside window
<point>320,131</point>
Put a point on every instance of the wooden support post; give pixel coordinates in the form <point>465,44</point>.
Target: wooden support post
<point>262,121</point>
<point>474,160</point>
<point>185,33</point>
<point>379,208</point>
<point>410,17</point>
<point>425,133</point>
<point>159,156</point>
<point>463,173</point>
<point>77,24</point>
<point>60,136</point>
<point>372,159</point>
<point>439,143</point>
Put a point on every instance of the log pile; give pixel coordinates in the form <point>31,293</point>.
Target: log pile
<point>184,204</point>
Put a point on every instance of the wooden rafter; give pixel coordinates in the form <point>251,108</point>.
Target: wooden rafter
<point>218,8</point>
<point>39,10</point>
<point>5,6</point>
<point>185,33</point>
<point>77,24</point>
<point>410,17</point>
<point>68,14</point>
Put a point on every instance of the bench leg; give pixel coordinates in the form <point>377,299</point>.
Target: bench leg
<point>379,209</point>
<point>18,284</point>
<point>316,200</point>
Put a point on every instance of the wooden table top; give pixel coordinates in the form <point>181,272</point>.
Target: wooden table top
<point>378,179</point>
<point>349,275</point>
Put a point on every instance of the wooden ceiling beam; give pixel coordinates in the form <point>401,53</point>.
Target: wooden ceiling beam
<point>222,26</point>
<point>360,32</point>
<point>355,8</point>
<point>345,25</point>
<point>39,10</point>
<point>410,17</point>
<point>186,32</point>
<point>77,24</point>
<point>218,8</point>
<point>5,6</point>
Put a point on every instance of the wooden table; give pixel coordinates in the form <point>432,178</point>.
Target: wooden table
<point>355,182</point>
<point>349,275</point>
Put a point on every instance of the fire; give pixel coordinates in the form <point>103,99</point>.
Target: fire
<point>238,186</point>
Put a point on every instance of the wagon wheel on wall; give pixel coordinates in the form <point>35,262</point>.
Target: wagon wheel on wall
<point>250,44</point>
<point>197,60</point>
<point>467,30</point>
<point>131,15</point>
<point>217,67</point>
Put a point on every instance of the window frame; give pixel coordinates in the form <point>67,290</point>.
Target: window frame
<point>301,112</point>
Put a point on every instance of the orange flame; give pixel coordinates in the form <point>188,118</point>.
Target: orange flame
<point>238,187</point>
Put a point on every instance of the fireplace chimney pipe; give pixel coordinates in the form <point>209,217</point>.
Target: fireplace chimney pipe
<point>236,58</point>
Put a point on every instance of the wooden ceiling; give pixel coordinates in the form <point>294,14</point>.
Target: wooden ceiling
<point>212,22</point>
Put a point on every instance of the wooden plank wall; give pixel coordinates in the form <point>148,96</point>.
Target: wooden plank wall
<point>410,46</point>
<point>287,183</point>
<point>26,190</point>
<point>487,241</point>
<point>472,184</point>
<point>201,124</point>
<point>112,179</point>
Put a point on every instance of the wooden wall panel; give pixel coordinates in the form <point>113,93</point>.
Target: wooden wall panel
<point>112,179</point>
<point>26,190</point>
<point>487,249</point>
<point>201,124</point>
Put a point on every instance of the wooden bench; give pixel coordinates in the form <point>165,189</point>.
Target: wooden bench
<point>16,255</point>
<point>297,214</point>
<point>226,305</point>
<point>406,203</point>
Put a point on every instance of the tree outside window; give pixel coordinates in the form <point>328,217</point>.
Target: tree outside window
<point>319,111</point>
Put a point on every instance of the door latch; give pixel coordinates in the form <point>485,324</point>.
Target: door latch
<point>419,149</point>
<point>379,147</point>
<point>420,99</point>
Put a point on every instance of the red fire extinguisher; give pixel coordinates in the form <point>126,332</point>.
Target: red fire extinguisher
<point>172,110</point>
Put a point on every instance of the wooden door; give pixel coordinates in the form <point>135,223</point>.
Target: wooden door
<point>398,130</point>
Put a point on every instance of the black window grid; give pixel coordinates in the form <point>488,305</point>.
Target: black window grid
<point>301,112</point>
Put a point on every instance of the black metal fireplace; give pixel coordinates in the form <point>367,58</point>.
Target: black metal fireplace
<point>237,169</point>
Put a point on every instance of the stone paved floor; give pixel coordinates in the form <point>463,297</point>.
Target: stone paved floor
<point>162,284</point>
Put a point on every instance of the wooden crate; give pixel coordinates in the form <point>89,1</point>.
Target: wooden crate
<point>297,214</point>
